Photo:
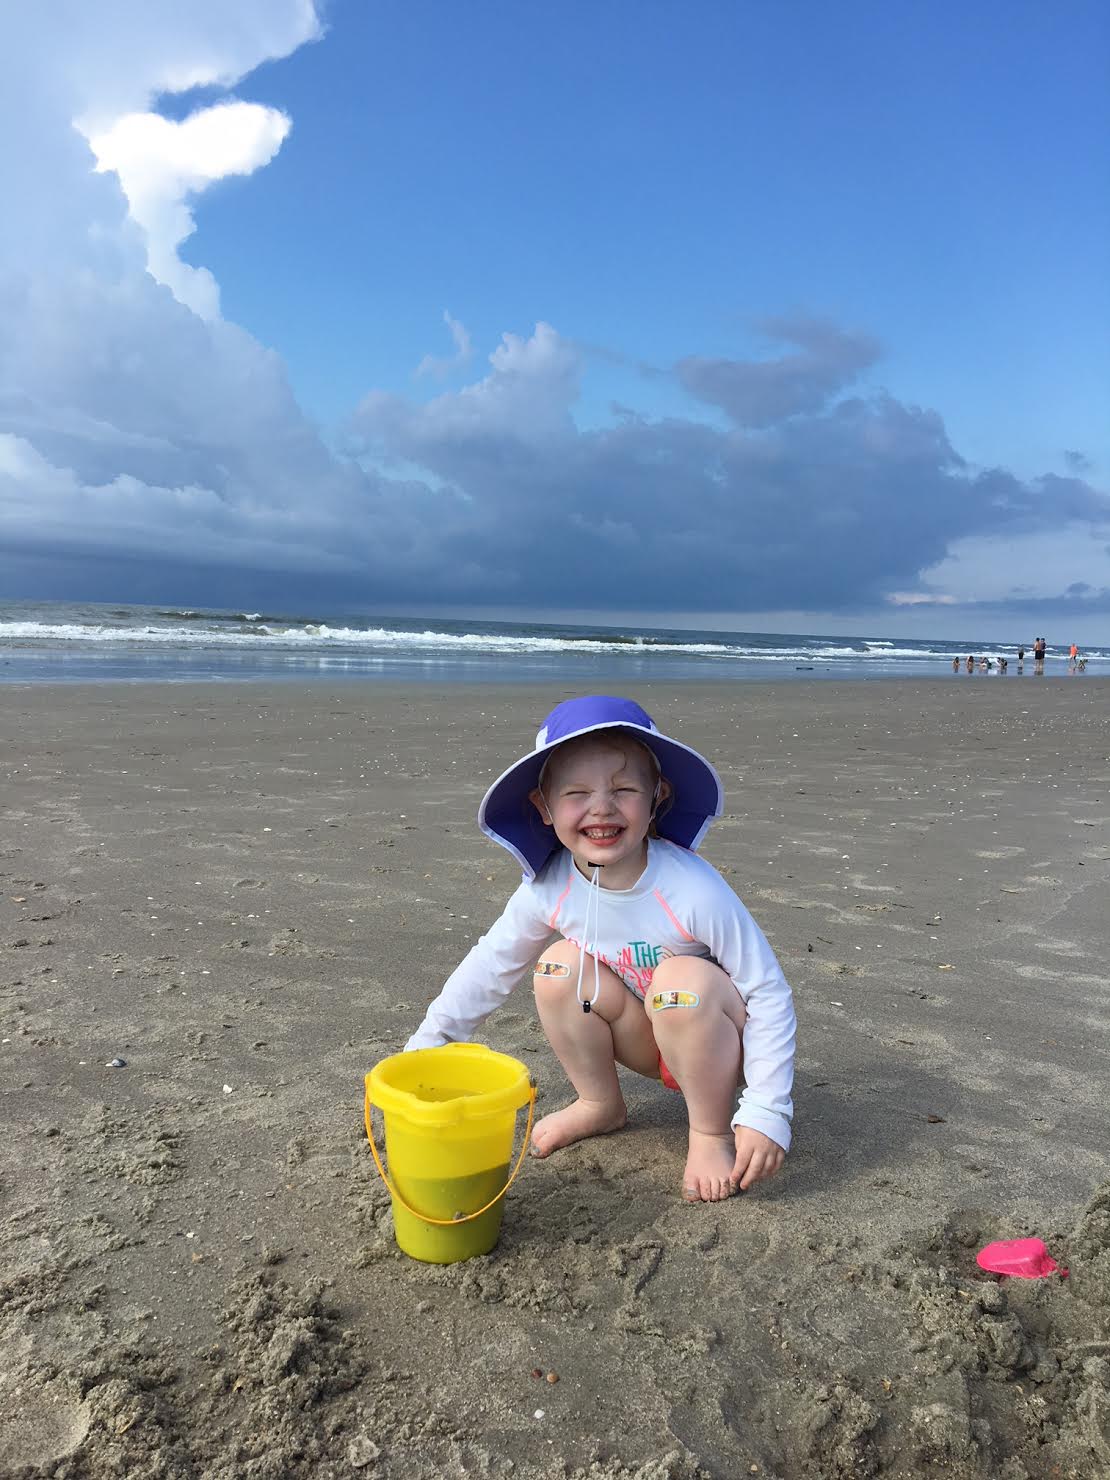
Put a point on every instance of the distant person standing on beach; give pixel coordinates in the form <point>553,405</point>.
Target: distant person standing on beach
<point>1073,654</point>
<point>1039,647</point>
<point>1021,655</point>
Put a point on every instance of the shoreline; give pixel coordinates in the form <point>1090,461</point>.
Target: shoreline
<point>497,677</point>
<point>261,887</point>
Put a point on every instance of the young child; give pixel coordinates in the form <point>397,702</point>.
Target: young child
<point>646,957</point>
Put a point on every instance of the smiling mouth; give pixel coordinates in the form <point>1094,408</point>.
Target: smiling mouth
<point>602,834</point>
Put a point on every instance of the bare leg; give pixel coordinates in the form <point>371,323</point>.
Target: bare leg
<point>702,1046</point>
<point>589,1045</point>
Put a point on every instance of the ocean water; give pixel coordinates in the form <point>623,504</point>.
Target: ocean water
<point>66,643</point>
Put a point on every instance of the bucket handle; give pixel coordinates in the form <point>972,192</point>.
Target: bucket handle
<point>468,1217</point>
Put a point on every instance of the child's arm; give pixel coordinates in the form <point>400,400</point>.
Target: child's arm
<point>741,948</point>
<point>486,976</point>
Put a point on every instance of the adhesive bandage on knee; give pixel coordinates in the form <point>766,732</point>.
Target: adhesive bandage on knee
<point>551,968</point>
<point>662,1000</point>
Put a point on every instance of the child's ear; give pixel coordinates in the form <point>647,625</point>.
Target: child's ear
<point>535,796</point>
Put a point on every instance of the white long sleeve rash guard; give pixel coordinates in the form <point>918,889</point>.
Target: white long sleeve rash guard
<point>679,906</point>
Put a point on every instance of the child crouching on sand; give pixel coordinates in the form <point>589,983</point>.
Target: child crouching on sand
<point>646,957</point>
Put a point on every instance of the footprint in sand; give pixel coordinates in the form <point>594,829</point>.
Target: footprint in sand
<point>838,968</point>
<point>44,1427</point>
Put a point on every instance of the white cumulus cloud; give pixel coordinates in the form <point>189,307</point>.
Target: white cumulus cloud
<point>162,163</point>
<point>525,398</point>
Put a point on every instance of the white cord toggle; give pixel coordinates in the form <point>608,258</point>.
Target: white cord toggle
<point>594,898</point>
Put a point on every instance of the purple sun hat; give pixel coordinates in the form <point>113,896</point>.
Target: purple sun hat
<point>509,818</point>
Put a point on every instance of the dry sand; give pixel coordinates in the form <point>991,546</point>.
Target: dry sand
<point>249,893</point>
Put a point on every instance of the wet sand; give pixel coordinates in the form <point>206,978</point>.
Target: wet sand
<point>249,893</point>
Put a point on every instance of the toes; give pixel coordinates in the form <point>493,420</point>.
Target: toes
<point>715,1189</point>
<point>706,1189</point>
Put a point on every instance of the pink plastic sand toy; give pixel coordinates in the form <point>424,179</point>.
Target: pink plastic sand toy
<point>1027,1258</point>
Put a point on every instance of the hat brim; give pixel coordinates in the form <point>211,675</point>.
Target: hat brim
<point>508,816</point>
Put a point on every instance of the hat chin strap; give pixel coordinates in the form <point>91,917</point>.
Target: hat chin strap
<point>594,899</point>
<point>549,820</point>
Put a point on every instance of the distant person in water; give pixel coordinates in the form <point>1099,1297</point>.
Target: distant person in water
<point>1003,664</point>
<point>970,663</point>
<point>955,665</point>
<point>1073,654</point>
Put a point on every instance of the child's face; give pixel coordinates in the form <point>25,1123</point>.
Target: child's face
<point>599,795</point>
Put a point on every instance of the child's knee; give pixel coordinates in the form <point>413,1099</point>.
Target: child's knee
<point>678,1007</point>
<point>686,988</point>
<point>557,968</point>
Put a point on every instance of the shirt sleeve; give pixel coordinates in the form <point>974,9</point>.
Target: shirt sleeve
<point>741,948</point>
<point>487,974</point>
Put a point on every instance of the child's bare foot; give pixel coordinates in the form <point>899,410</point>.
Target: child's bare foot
<point>577,1121</point>
<point>708,1167</point>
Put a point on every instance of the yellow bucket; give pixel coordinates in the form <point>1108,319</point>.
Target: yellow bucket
<point>450,1116</point>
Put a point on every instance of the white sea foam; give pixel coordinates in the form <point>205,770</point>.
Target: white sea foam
<point>317,635</point>
<point>136,635</point>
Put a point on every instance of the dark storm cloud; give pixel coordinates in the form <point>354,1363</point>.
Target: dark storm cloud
<point>827,510</point>
<point>758,393</point>
<point>163,449</point>
<point>1073,607</point>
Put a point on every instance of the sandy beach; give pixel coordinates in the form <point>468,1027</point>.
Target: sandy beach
<point>249,893</point>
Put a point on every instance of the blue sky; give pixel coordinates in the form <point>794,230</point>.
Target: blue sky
<point>652,179</point>
<point>826,291</point>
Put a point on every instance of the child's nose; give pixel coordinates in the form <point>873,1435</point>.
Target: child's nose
<point>602,802</point>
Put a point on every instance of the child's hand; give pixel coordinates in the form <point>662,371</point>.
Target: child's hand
<point>757,1157</point>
